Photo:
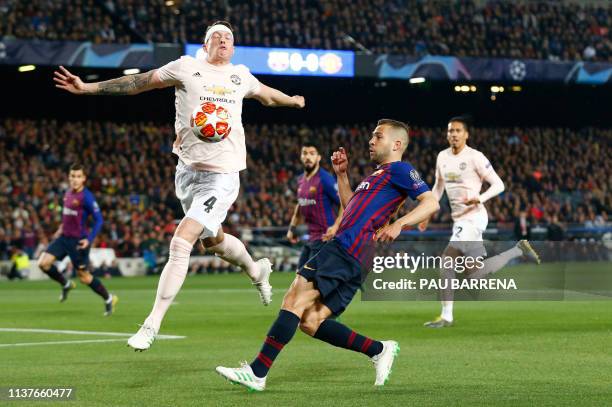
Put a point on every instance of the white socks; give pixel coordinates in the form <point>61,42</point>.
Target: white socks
<point>491,265</point>
<point>447,310</point>
<point>232,250</point>
<point>171,280</point>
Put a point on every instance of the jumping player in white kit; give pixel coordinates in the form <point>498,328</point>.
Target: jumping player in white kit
<point>461,171</point>
<point>207,180</point>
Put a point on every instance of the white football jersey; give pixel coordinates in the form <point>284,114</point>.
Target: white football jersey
<point>197,82</point>
<point>463,175</point>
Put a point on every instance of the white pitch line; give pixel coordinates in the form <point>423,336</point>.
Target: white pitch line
<point>6,345</point>
<point>152,289</point>
<point>68,332</point>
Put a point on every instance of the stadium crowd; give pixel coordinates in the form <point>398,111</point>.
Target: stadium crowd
<point>556,30</point>
<point>551,175</point>
<point>66,20</point>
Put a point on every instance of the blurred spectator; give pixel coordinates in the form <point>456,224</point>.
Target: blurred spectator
<point>20,265</point>
<point>108,270</point>
<point>522,227</point>
<point>5,244</point>
<point>555,231</point>
<point>150,260</point>
<point>68,20</point>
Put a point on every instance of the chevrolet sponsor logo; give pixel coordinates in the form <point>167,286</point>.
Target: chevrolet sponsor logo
<point>219,90</point>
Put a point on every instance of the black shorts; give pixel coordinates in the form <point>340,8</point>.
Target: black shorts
<point>68,246</point>
<point>309,250</point>
<point>335,273</point>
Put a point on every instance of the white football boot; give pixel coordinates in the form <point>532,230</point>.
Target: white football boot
<point>384,361</point>
<point>243,375</point>
<point>143,339</point>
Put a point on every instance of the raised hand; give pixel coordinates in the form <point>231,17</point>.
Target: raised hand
<point>67,81</point>
<point>83,244</point>
<point>340,161</point>
<point>291,237</point>
<point>330,233</point>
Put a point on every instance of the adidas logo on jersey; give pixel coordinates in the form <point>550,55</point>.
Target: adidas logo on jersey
<point>197,75</point>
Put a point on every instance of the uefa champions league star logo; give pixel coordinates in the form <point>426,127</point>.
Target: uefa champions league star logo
<point>416,178</point>
<point>518,70</point>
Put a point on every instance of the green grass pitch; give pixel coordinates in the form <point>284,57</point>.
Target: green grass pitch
<point>498,353</point>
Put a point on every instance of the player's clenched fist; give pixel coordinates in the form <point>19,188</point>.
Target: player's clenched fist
<point>300,102</point>
<point>423,225</point>
<point>340,161</point>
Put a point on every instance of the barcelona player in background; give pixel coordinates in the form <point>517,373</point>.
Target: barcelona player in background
<point>318,203</point>
<point>72,239</point>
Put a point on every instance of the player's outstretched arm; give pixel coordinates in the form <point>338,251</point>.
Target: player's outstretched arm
<point>340,163</point>
<point>271,97</point>
<point>124,85</point>
<point>428,205</point>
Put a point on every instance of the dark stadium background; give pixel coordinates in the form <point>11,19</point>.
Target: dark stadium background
<point>329,101</point>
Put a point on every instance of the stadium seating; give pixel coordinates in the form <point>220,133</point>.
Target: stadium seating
<point>547,171</point>
<point>537,29</point>
<point>67,20</point>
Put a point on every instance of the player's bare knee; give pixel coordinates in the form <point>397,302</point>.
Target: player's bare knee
<point>292,296</point>
<point>45,261</point>
<point>297,303</point>
<point>294,302</point>
<point>85,276</point>
<point>291,304</point>
<point>309,325</point>
<point>44,264</point>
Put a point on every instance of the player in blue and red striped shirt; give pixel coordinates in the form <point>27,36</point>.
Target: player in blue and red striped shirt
<point>73,240</point>
<point>326,284</point>
<point>318,203</point>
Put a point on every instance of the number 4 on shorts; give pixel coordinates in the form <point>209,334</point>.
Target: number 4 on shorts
<point>208,204</point>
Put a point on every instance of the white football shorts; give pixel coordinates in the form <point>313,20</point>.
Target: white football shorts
<point>467,237</point>
<point>206,196</point>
